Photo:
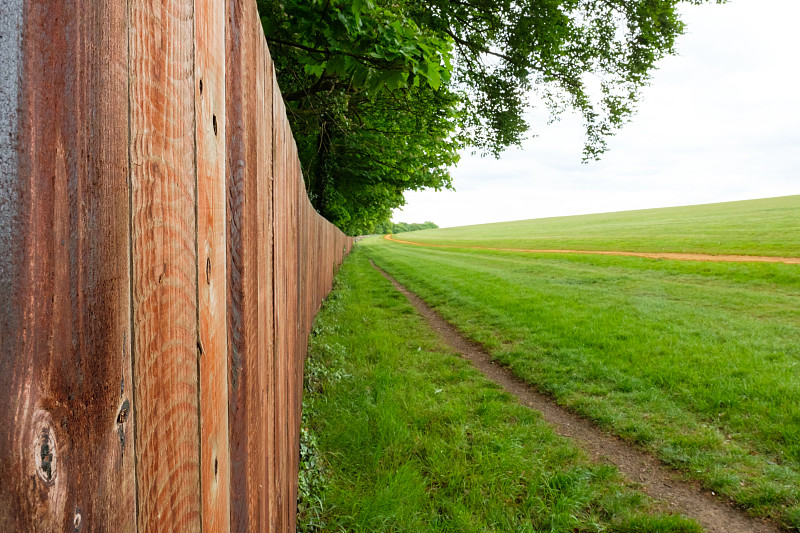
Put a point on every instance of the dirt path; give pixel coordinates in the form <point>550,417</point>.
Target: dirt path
<point>661,483</point>
<point>649,255</point>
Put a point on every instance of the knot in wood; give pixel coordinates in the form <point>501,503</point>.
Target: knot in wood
<point>45,447</point>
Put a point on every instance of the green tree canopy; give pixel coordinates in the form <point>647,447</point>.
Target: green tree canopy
<point>382,94</point>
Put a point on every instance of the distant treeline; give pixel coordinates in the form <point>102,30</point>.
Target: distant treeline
<point>390,227</point>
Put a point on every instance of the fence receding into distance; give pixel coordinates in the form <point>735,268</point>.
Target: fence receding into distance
<point>160,266</point>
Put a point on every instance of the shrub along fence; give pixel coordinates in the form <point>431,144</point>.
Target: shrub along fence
<point>160,266</point>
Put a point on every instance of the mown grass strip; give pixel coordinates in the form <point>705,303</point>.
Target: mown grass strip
<point>649,255</point>
<point>769,226</point>
<point>697,363</point>
<point>411,438</point>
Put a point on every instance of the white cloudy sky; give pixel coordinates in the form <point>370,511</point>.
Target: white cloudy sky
<point>720,122</point>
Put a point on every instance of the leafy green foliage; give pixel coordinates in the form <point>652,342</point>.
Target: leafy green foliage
<point>383,94</point>
<point>311,480</point>
<point>367,92</point>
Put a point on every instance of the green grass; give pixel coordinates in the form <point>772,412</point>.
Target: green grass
<point>697,362</point>
<point>753,227</point>
<point>409,437</point>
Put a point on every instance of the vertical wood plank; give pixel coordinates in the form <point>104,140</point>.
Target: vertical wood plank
<point>66,449</point>
<point>236,158</point>
<point>164,261</point>
<point>264,96</point>
<point>292,426</point>
<point>299,341</point>
<point>249,342</point>
<point>210,124</point>
<point>281,222</point>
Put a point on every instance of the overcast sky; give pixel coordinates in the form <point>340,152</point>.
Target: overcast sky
<point>720,122</point>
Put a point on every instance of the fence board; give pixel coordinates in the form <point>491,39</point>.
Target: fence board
<point>250,261</point>
<point>266,251</point>
<point>210,126</point>
<point>66,446</point>
<point>281,221</point>
<point>299,331</point>
<point>164,233</point>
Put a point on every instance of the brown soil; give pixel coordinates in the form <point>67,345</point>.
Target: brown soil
<point>661,483</point>
<point>649,255</point>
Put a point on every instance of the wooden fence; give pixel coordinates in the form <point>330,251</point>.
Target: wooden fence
<point>160,266</point>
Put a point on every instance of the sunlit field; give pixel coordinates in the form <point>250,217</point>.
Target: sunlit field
<point>698,363</point>
<point>753,227</point>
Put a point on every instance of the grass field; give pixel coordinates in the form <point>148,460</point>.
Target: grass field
<point>697,362</point>
<point>753,227</point>
<point>409,437</point>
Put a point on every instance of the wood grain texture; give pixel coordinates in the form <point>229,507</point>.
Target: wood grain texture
<point>282,303</point>
<point>300,335</point>
<point>264,91</point>
<point>66,449</point>
<point>237,157</point>
<point>249,254</point>
<point>161,272</point>
<point>164,260</point>
<point>210,127</point>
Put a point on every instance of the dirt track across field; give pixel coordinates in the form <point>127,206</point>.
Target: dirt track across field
<point>661,483</point>
<point>649,255</point>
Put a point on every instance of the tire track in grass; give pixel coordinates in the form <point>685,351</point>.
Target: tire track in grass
<point>658,481</point>
<point>650,255</point>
